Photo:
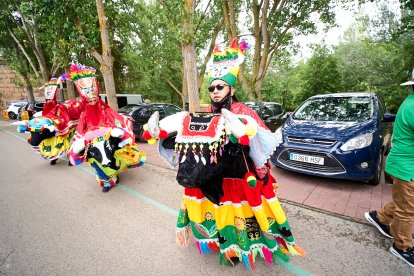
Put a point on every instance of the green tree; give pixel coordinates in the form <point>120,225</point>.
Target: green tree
<point>273,27</point>
<point>321,75</point>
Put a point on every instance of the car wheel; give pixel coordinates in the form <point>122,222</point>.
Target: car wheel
<point>12,115</point>
<point>378,170</point>
<point>140,139</point>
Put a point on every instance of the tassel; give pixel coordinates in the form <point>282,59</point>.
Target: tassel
<point>214,246</point>
<point>267,255</point>
<point>183,159</point>
<point>197,159</point>
<point>296,250</point>
<point>199,248</point>
<point>203,160</point>
<point>246,262</point>
<point>205,249</point>
<point>281,243</point>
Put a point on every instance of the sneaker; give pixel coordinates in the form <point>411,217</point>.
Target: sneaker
<point>53,162</point>
<point>106,189</point>
<point>407,255</point>
<point>372,217</point>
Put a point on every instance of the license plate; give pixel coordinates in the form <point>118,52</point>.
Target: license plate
<point>307,158</point>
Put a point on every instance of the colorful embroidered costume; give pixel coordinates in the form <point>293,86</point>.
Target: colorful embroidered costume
<point>51,132</point>
<point>229,202</point>
<point>103,138</point>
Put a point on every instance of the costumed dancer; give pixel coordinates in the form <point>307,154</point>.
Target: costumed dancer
<point>229,202</point>
<point>103,138</point>
<point>52,131</point>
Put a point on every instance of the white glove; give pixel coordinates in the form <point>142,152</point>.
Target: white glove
<point>78,145</point>
<point>153,125</point>
<point>235,126</point>
<point>117,133</point>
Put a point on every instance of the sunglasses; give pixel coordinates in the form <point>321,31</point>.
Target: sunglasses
<point>218,86</point>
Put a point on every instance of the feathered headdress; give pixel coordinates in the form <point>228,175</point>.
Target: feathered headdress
<point>85,81</point>
<point>225,65</point>
<point>51,87</point>
<point>79,72</point>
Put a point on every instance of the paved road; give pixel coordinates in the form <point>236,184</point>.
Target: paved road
<point>55,220</point>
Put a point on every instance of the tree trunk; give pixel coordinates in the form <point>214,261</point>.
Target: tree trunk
<point>107,61</point>
<point>258,89</point>
<point>189,57</point>
<point>72,94</point>
<point>23,71</point>
<point>190,77</point>
<point>29,88</point>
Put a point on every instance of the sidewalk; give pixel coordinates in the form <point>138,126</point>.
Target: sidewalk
<point>346,198</point>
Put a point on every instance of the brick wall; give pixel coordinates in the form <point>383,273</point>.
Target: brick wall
<point>12,87</point>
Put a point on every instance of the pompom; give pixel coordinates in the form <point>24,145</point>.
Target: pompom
<point>152,141</point>
<point>146,135</point>
<point>243,45</point>
<point>250,131</point>
<point>244,140</point>
<point>250,179</point>
<point>163,134</point>
<point>73,67</point>
<point>233,43</point>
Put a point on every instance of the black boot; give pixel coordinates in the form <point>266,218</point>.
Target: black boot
<point>53,162</point>
<point>69,164</point>
<point>106,189</point>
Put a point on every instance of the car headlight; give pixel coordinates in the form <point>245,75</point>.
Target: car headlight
<point>279,135</point>
<point>358,142</point>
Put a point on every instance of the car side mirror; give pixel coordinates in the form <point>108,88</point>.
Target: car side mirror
<point>388,117</point>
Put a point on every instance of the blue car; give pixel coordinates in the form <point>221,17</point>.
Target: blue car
<point>341,135</point>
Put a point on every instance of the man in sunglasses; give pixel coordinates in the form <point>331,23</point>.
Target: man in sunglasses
<point>235,223</point>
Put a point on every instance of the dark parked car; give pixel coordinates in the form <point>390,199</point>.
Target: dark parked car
<point>31,109</point>
<point>342,135</point>
<point>140,113</point>
<point>273,114</point>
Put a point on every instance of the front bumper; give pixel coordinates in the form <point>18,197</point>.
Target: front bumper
<point>337,164</point>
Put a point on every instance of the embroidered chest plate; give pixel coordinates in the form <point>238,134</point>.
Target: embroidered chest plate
<point>202,136</point>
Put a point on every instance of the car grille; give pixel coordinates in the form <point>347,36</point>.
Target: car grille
<point>331,164</point>
<point>321,142</point>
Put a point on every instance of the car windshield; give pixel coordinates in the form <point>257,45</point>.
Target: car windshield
<point>342,109</point>
<point>127,108</point>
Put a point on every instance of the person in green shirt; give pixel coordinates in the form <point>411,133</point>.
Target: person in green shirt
<point>395,220</point>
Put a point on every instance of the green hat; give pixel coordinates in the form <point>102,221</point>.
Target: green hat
<point>225,65</point>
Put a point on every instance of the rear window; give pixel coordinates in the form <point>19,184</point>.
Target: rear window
<point>128,108</point>
<point>343,109</point>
